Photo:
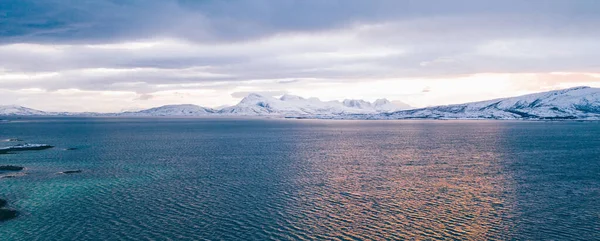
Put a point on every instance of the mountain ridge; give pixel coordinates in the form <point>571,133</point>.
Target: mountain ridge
<point>577,103</point>
<point>251,105</point>
<point>581,102</point>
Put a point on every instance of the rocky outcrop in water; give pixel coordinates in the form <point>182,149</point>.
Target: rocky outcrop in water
<point>11,168</point>
<point>6,214</point>
<point>24,147</point>
<point>72,172</point>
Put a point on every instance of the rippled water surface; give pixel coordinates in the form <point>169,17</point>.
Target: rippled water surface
<point>227,179</point>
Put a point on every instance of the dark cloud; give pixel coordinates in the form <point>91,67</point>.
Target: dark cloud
<point>212,20</point>
<point>76,21</point>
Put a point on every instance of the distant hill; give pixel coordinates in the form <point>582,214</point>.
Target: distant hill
<point>172,110</point>
<point>14,110</point>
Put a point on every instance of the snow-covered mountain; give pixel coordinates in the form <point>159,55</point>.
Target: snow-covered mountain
<point>296,106</point>
<point>171,110</point>
<point>14,110</point>
<point>380,105</point>
<point>572,103</point>
<point>251,105</point>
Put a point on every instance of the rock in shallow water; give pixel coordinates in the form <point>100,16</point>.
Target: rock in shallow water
<point>24,147</point>
<point>11,168</point>
<point>7,214</point>
<point>71,172</point>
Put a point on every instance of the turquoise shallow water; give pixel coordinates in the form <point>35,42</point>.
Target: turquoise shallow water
<point>261,179</point>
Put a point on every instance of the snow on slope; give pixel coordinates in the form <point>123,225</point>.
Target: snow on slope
<point>573,103</point>
<point>291,105</point>
<point>253,104</point>
<point>6,110</point>
<point>384,105</point>
<point>172,110</point>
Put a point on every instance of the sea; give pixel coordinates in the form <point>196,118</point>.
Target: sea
<point>286,179</point>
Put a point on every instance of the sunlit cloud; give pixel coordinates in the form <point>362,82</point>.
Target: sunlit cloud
<point>209,53</point>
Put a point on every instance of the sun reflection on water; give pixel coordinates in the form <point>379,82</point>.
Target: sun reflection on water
<point>404,185</point>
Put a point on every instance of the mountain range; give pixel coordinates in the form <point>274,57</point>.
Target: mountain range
<point>582,103</point>
<point>251,105</point>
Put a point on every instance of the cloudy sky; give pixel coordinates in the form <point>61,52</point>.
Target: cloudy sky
<point>112,55</point>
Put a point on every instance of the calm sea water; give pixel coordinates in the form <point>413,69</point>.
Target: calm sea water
<point>226,179</point>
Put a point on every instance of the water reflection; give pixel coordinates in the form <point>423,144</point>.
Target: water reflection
<point>404,181</point>
<point>202,179</point>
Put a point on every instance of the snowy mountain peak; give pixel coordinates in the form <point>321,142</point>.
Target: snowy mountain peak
<point>292,105</point>
<point>254,96</point>
<point>361,104</point>
<point>290,97</point>
<point>380,102</point>
<point>384,105</point>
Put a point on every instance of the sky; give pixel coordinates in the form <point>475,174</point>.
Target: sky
<point>115,55</point>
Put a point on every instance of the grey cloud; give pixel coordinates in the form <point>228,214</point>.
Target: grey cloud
<point>242,94</point>
<point>76,21</point>
<point>145,97</point>
<point>288,81</point>
<point>231,41</point>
